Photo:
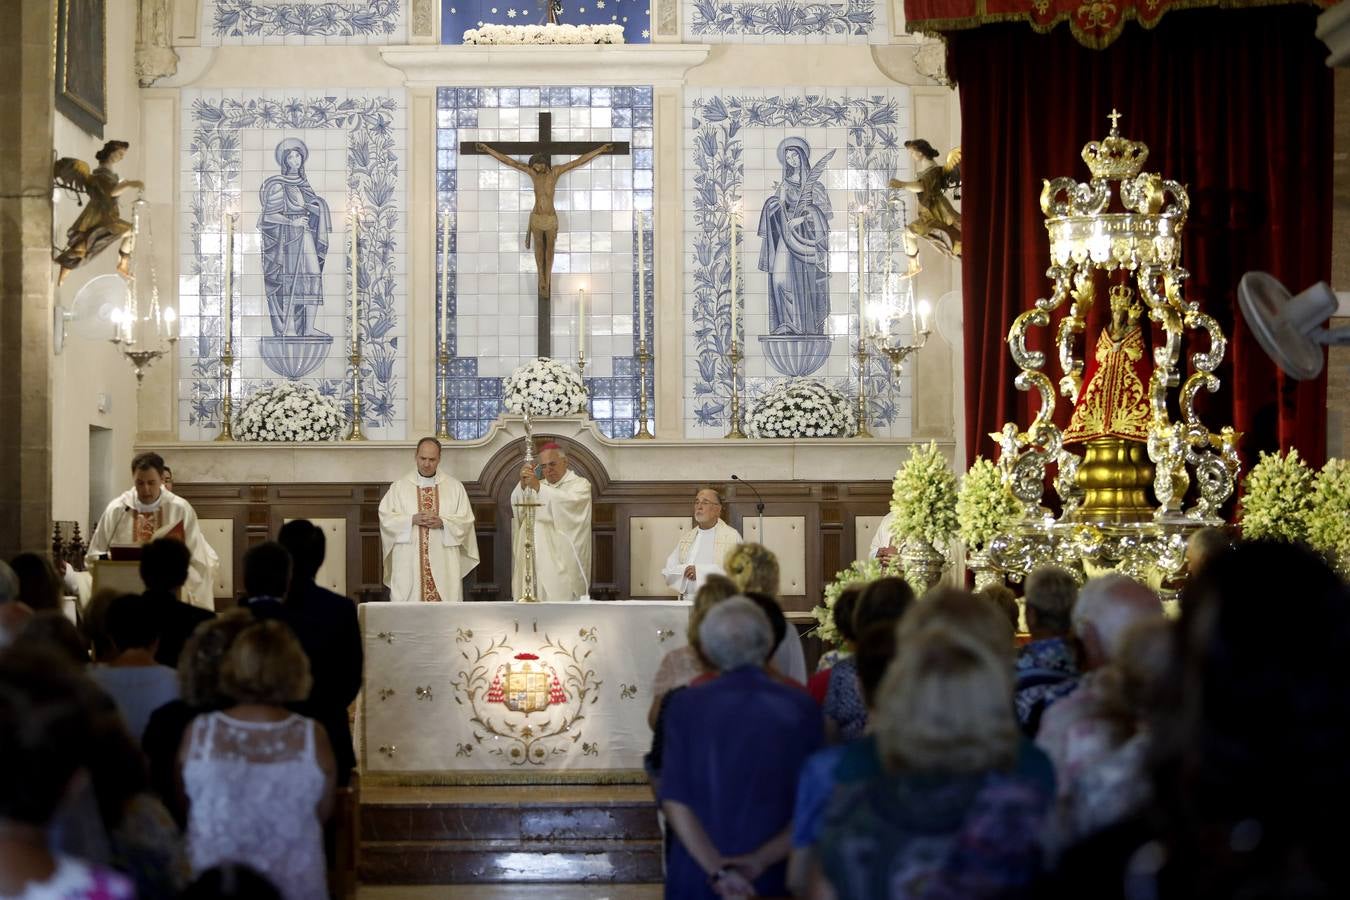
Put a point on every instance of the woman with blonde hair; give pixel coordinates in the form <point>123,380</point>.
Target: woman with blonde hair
<point>951,815</point>
<point>259,779</point>
<point>683,664</point>
<point>754,569</point>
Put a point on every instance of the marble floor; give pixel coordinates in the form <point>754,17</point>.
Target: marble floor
<point>512,892</point>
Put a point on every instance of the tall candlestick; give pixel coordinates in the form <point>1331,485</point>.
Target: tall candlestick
<point>581,322</point>
<point>733,275</point>
<point>642,284</point>
<point>445,275</point>
<point>354,263</point>
<point>229,280</point>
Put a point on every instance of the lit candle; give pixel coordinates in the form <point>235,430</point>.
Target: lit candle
<point>733,274</point>
<point>642,286</point>
<point>581,322</point>
<point>445,276</point>
<point>229,281</point>
<point>924,309</point>
<point>353,271</point>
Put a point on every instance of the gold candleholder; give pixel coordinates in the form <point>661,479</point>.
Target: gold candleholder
<point>355,359</point>
<point>643,358</point>
<point>442,419</point>
<point>581,370</point>
<point>734,356</point>
<point>227,401</point>
<point>862,355</point>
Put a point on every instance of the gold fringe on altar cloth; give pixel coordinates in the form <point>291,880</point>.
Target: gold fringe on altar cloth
<point>509,777</point>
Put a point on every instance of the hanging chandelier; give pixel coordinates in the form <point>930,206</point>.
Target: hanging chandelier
<point>143,330</point>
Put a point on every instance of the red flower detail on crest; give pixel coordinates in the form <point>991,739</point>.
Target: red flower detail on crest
<point>526,656</point>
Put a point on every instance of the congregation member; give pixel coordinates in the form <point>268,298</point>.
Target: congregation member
<point>733,750</point>
<point>164,567</point>
<point>754,570</point>
<point>259,779</point>
<point>13,611</point>
<point>702,549</point>
<point>1003,597</point>
<point>1078,729</point>
<point>1203,545</point>
<point>883,601</point>
<point>842,615</point>
<point>1048,666</point>
<point>427,539</point>
<point>147,512</point>
<point>562,528</point>
<point>682,665</point>
<point>136,682</point>
<point>330,634</point>
<point>40,587</point>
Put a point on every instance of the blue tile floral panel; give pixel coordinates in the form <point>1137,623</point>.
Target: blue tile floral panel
<point>486,276</point>
<point>300,22</point>
<point>298,173</point>
<point>786,21</point>
<point>458,16</point>
<point>796,169</point>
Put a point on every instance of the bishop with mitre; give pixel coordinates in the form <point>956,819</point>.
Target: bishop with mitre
<point>426,532</point>
<point>562,528</point>
<point>148,512</point>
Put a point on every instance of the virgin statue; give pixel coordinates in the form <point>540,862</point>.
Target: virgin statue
<point>295,225</point>
<point>795,227</point>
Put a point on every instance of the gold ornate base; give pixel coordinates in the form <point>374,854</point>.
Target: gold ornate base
<point>1115,477</point>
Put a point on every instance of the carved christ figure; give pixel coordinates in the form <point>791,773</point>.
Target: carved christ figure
<point>543,230</point>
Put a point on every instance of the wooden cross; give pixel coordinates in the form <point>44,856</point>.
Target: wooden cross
<point>545,182</point>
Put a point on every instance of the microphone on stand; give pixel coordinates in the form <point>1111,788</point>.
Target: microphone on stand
<point>759,503</point>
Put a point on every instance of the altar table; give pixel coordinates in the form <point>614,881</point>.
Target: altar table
<point>484,692</point>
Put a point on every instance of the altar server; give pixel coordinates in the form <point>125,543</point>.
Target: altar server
<point>702,549</point>
<point>148,512</point>
<point>426,533</point>
<point>562,528</point>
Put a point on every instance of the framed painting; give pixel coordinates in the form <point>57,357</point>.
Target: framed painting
<point>81,63</point>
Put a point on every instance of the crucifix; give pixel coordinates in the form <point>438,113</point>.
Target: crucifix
<point>543,227</point>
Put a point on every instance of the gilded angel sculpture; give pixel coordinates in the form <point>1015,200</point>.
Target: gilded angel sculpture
<point>100,223</point>
<point>938,222</point>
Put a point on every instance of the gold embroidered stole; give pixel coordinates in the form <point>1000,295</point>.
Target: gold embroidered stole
<point>428,501</point>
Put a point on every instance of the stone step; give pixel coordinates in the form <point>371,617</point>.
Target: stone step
<point>469,862</point>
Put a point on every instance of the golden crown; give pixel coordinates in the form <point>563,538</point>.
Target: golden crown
<point>1115,158</point>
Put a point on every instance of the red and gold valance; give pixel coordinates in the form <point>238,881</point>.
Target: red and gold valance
<point>1094,23</point>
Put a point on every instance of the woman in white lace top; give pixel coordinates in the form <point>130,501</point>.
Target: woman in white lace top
<point>258,779</point>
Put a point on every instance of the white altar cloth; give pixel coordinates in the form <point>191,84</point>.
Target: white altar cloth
<point>519,690</point>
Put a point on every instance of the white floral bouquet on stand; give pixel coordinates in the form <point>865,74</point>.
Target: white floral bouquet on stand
<point>1329,520</point>
<point>923,498</point>
<point>985,506</point>
<point>861,571</point>
<point>1277,498</point>
<point>801,409</point>
<point>544,34</point>
<point>292,412</point>
<point>545,388</point>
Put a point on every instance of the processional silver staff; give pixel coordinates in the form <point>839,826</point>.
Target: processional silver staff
<point>527,507</point>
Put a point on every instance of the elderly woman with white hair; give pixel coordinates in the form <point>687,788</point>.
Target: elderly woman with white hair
<point>733,750</point>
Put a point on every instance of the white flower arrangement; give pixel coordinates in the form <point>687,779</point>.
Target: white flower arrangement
<point>985,506</point>
<point>545,388</point>
<point>859,571</point>
<point>1277,498</point>
<point>291,411</point>
<point>544,34</point>
<point>1329,519</point>
<point>923,498</point>
<point>801,409</point>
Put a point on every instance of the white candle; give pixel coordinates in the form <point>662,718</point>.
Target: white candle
<point>862,266</point>
<point>445,276</point>
<point>642,286</point>
<point>733,275</point>
<point>353,271</point>
<point>581,323</point>
<point>229,281</point>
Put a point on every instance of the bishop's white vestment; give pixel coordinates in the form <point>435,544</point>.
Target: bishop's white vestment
<point>562,538</point>
<point>706,550</point>
<point>427,564</point>
<point>128,521</point>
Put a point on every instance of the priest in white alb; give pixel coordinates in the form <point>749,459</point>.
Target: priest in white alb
<point>702,549</point>
<point>149,512</point>
<point>883,544</point>
<point>562,529</point>
<point>427,539</point>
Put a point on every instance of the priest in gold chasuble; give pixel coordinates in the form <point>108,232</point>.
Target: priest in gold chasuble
<point>426,533</point>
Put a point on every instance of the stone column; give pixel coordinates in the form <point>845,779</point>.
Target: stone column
<point>27,110</point>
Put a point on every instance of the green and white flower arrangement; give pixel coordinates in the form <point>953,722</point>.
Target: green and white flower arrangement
<point>545,388</point>
<point>1329,519</point>
<point>860,571</point>
<point>923,499</point>
<point>985,506</point>
<point>802,408</point>
<point>292,412</point>
<point>1277,498</point>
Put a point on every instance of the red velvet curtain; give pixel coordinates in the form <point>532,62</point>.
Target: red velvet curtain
<point>1236,105</point>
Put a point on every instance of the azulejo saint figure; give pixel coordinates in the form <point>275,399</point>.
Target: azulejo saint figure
<point>295,224</point>
<point>795,226</point>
